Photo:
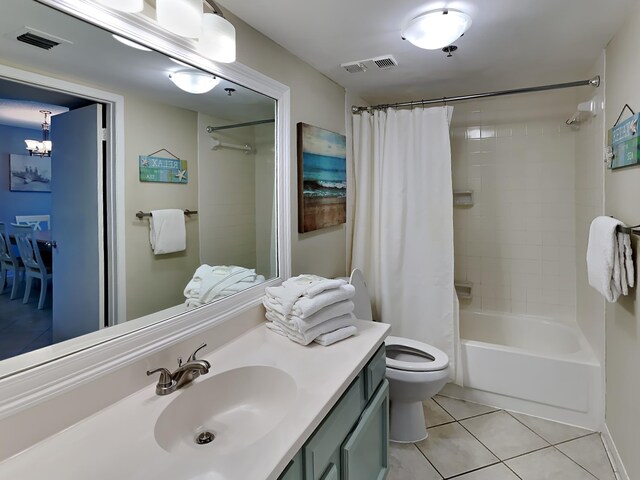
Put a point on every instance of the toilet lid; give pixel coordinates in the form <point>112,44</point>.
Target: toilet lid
<point>413,356</point>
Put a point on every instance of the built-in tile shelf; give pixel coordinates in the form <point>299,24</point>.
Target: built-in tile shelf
<point>464,290</point>
<point>463,198</point>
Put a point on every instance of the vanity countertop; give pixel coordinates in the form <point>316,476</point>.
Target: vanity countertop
<point>119,442</point>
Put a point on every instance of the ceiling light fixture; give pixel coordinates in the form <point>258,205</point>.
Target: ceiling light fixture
<point>436,29</point>
<point>130,43</point>
<point>41,148</point>
<point>130,6</point>
<point>194,81</point>
<point>182,17</point>
<point>218,37</point>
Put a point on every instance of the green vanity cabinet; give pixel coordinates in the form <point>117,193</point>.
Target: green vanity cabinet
<point>352,443</point>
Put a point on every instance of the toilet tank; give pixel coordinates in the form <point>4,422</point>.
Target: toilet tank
<point>361,299</point>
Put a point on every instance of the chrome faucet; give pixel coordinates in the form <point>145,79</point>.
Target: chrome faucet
<point>183,375</point>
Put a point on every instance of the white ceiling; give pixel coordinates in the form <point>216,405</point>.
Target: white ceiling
<point>511,43</point>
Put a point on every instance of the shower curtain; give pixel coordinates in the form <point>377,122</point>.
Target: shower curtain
<point>403,222</point>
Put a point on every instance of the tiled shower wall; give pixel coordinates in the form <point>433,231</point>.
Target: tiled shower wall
<point>517,242</point>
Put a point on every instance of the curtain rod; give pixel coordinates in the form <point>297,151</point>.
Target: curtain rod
<point>594,82</point>
<point>211,129</point>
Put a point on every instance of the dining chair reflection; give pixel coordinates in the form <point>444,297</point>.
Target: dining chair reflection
<point>34,266</point>
<point>10,263</point>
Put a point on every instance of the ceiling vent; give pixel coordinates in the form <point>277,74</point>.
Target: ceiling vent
<point>384,62</point>
<point>354,67</point>
<point>39,39</point>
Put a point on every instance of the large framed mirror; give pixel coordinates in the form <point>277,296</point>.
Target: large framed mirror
<point>162,210</point>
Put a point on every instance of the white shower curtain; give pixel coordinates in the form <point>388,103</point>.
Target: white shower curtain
<point>403,222</point>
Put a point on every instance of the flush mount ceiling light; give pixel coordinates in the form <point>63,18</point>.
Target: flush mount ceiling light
<point>182,17</point>
<point>218,38</point>
<point>41,148</point>
<point>194,81</point>
<point>130,6</point>
<point>437,28</point>
<point>130,43</point>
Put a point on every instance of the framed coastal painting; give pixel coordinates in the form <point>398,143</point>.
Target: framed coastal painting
<point>322,178</point>
<point>30,174</point>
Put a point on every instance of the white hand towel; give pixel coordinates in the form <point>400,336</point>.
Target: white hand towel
<point>326,313</point>
<point>332,337</point>
<point>167,232</point>
<point>628,259</point>
<point>621,264</point>
<point>603,260</point>
<point>310,335</point>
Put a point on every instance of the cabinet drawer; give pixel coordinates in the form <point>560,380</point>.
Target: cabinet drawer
<point>330,435</point>
<point>365,453</point>
<point>375,372</point>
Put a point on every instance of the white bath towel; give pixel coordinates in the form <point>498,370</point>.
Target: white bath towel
<point>167,232</point>
<point>322,315</point>
<point>302,285</point>
<point>310,335</point>
<point>304,307</point>
<point>607,265</point>
<point>327,339</point>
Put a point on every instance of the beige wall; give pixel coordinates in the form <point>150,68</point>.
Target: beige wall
<point>157,282</point>
<point>315,100</point>
<point>226,198</point>
<point>517,242</point>
<point>622,200</point>
<point>589,201</point>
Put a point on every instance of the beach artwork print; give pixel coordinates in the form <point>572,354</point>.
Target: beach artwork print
<point>30,174</point>
<point>322,178</point>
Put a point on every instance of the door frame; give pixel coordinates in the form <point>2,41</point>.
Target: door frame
<point>113,188</point>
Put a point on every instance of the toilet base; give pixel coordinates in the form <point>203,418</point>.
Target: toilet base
<point>407,422</point>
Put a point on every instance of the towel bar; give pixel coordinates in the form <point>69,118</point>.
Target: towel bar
<point>187,212</point>
<point>635,230</point>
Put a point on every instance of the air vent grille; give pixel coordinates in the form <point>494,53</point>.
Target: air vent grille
<point>384,62</point>
<point>37,41</point>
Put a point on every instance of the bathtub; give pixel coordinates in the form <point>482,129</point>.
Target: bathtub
<point>529,364</point>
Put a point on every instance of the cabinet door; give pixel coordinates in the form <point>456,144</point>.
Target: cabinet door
<point>331,473</point>
<point>365,453</point>
<point>294,469</point>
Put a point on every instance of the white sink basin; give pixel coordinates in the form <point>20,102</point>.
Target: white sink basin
<point>238,406</point>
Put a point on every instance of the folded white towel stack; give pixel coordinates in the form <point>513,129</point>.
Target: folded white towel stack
<point>609,258</point>
<point>209,283</point>
<point>309,308</point>
<point>167,232</point>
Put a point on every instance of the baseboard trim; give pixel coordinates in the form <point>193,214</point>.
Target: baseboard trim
<point>614,456</point>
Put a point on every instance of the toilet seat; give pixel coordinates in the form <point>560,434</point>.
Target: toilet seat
<point>417,356</point>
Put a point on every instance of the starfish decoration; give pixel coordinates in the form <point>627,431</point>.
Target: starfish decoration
<point>182,175</point>
<point>145,162</point>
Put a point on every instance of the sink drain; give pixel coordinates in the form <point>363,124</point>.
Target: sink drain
<point>204,438</point>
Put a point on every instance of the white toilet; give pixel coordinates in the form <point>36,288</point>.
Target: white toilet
<point>416,371</point>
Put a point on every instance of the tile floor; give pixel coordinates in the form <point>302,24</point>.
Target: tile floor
<point>22,326</point>
<point>469,441</point>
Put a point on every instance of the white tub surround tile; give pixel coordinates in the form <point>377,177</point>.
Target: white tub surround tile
<point>589,453</point>
<point>452,450</point>
<point>547,464</point>
<point>407,463</point>
<point>461,409</point>
<point>503,434</point>
<point>552,432</point>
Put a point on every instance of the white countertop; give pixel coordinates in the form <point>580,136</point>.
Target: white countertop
<point>118,442</point>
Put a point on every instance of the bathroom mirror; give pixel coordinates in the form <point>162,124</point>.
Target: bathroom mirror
<point>213,154</point>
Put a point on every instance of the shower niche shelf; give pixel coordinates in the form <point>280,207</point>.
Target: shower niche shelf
<point>464,290</point>
<point>463,198</point>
